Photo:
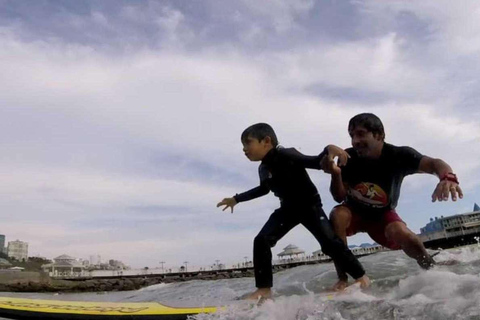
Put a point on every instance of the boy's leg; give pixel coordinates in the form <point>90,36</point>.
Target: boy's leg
<point>279,223</point>
<point>317,223</point>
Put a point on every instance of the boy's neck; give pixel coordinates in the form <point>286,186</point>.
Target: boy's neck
<point>267,150</point>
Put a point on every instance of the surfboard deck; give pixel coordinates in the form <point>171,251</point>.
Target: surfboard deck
<point>18,308</point>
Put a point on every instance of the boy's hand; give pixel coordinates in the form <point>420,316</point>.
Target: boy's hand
<point>328,163</point>
<point>227,202</point>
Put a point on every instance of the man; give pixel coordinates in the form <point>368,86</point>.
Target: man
<point>368,187</point>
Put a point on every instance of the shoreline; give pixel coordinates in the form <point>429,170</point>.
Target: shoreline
<point>46,284</point>
<point>41,282</point>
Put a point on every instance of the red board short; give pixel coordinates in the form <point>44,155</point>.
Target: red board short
<point>374,228</point>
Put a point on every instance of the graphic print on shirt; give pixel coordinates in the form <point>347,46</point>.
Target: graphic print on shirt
<point>369,194</point>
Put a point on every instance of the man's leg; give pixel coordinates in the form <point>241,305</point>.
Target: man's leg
<point>317,223</point>
<point>279,223</point>
<point>340,217</point>
<point>409,242</point>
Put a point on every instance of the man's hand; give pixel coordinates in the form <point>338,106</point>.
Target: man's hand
<point>444,189</point>
<point>328,163</point>
<point>227,202</point>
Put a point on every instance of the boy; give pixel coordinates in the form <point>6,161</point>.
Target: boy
<point>369,187</point>
<point>283,172</point>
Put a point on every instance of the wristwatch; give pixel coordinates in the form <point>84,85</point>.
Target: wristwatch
<point>450,176</point>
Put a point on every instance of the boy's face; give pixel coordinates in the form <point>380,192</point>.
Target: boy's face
<point>365,143</point>
<point>256,150</point>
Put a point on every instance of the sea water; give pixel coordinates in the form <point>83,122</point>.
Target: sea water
<point>399,290</point>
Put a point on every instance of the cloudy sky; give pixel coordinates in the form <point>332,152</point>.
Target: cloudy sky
<point>120,121</point>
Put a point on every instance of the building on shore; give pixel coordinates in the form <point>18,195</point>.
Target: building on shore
<point>64,265</point>
<point>4,264</point>
<point>95,259</point>
<point>291,251</point>
<point>68,267</point>
<point>2,244</point>
<point>319,255</point>
<point>452,231</point>
<point>18,250</point>
<point>366,249</point>
<point>361,250</point>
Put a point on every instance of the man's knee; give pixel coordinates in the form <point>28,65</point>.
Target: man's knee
<point>340,217</point>
<point>398,232</point>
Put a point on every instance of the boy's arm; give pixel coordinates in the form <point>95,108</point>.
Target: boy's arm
<point>257,192</point>
<point>448,184</point>
<point>314,162</point>
<point>254,193</point>
<point>245,196</point>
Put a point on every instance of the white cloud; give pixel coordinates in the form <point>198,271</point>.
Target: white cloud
<point>283,14</point>
<point>378,66</point>
<point>454,26</point>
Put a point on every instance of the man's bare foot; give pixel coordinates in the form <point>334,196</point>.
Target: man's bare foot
<point>339,286</point>
<point>363,281</point>
<point>260,293</point>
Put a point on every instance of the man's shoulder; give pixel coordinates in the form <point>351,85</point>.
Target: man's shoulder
<point>398,150</point>
<point>351,151</point>
<point>390,146</point>
<point>353,155</point>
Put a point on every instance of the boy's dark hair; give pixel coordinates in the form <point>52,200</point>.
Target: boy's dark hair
<point>260,131</point>
<point>369,121</point>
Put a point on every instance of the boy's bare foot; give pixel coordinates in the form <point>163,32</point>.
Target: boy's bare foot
<point>260,293</point>
<point>363,281</point>
<point>340,286</point>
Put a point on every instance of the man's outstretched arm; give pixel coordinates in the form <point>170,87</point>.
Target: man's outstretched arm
<point>448,185</point>
<point>337,187</point>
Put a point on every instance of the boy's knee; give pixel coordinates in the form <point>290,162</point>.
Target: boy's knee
<point>264,240</point>
<point>330,250</point>
<point>335,248</point>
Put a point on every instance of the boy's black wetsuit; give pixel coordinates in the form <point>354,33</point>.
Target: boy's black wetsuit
<point>283,172</point>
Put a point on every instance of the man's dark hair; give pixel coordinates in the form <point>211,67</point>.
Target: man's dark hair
<point>260,131</point>
<point>369,121</point>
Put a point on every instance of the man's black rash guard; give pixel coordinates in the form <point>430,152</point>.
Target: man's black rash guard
<point>283,171</point>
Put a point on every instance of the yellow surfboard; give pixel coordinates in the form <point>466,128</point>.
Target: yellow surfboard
<point>16,308</point>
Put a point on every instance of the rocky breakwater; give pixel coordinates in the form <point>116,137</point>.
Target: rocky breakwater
<point>41,282</point>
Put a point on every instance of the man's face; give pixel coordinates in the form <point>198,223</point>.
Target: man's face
<point>365,143</point>
<point>255,150</point>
